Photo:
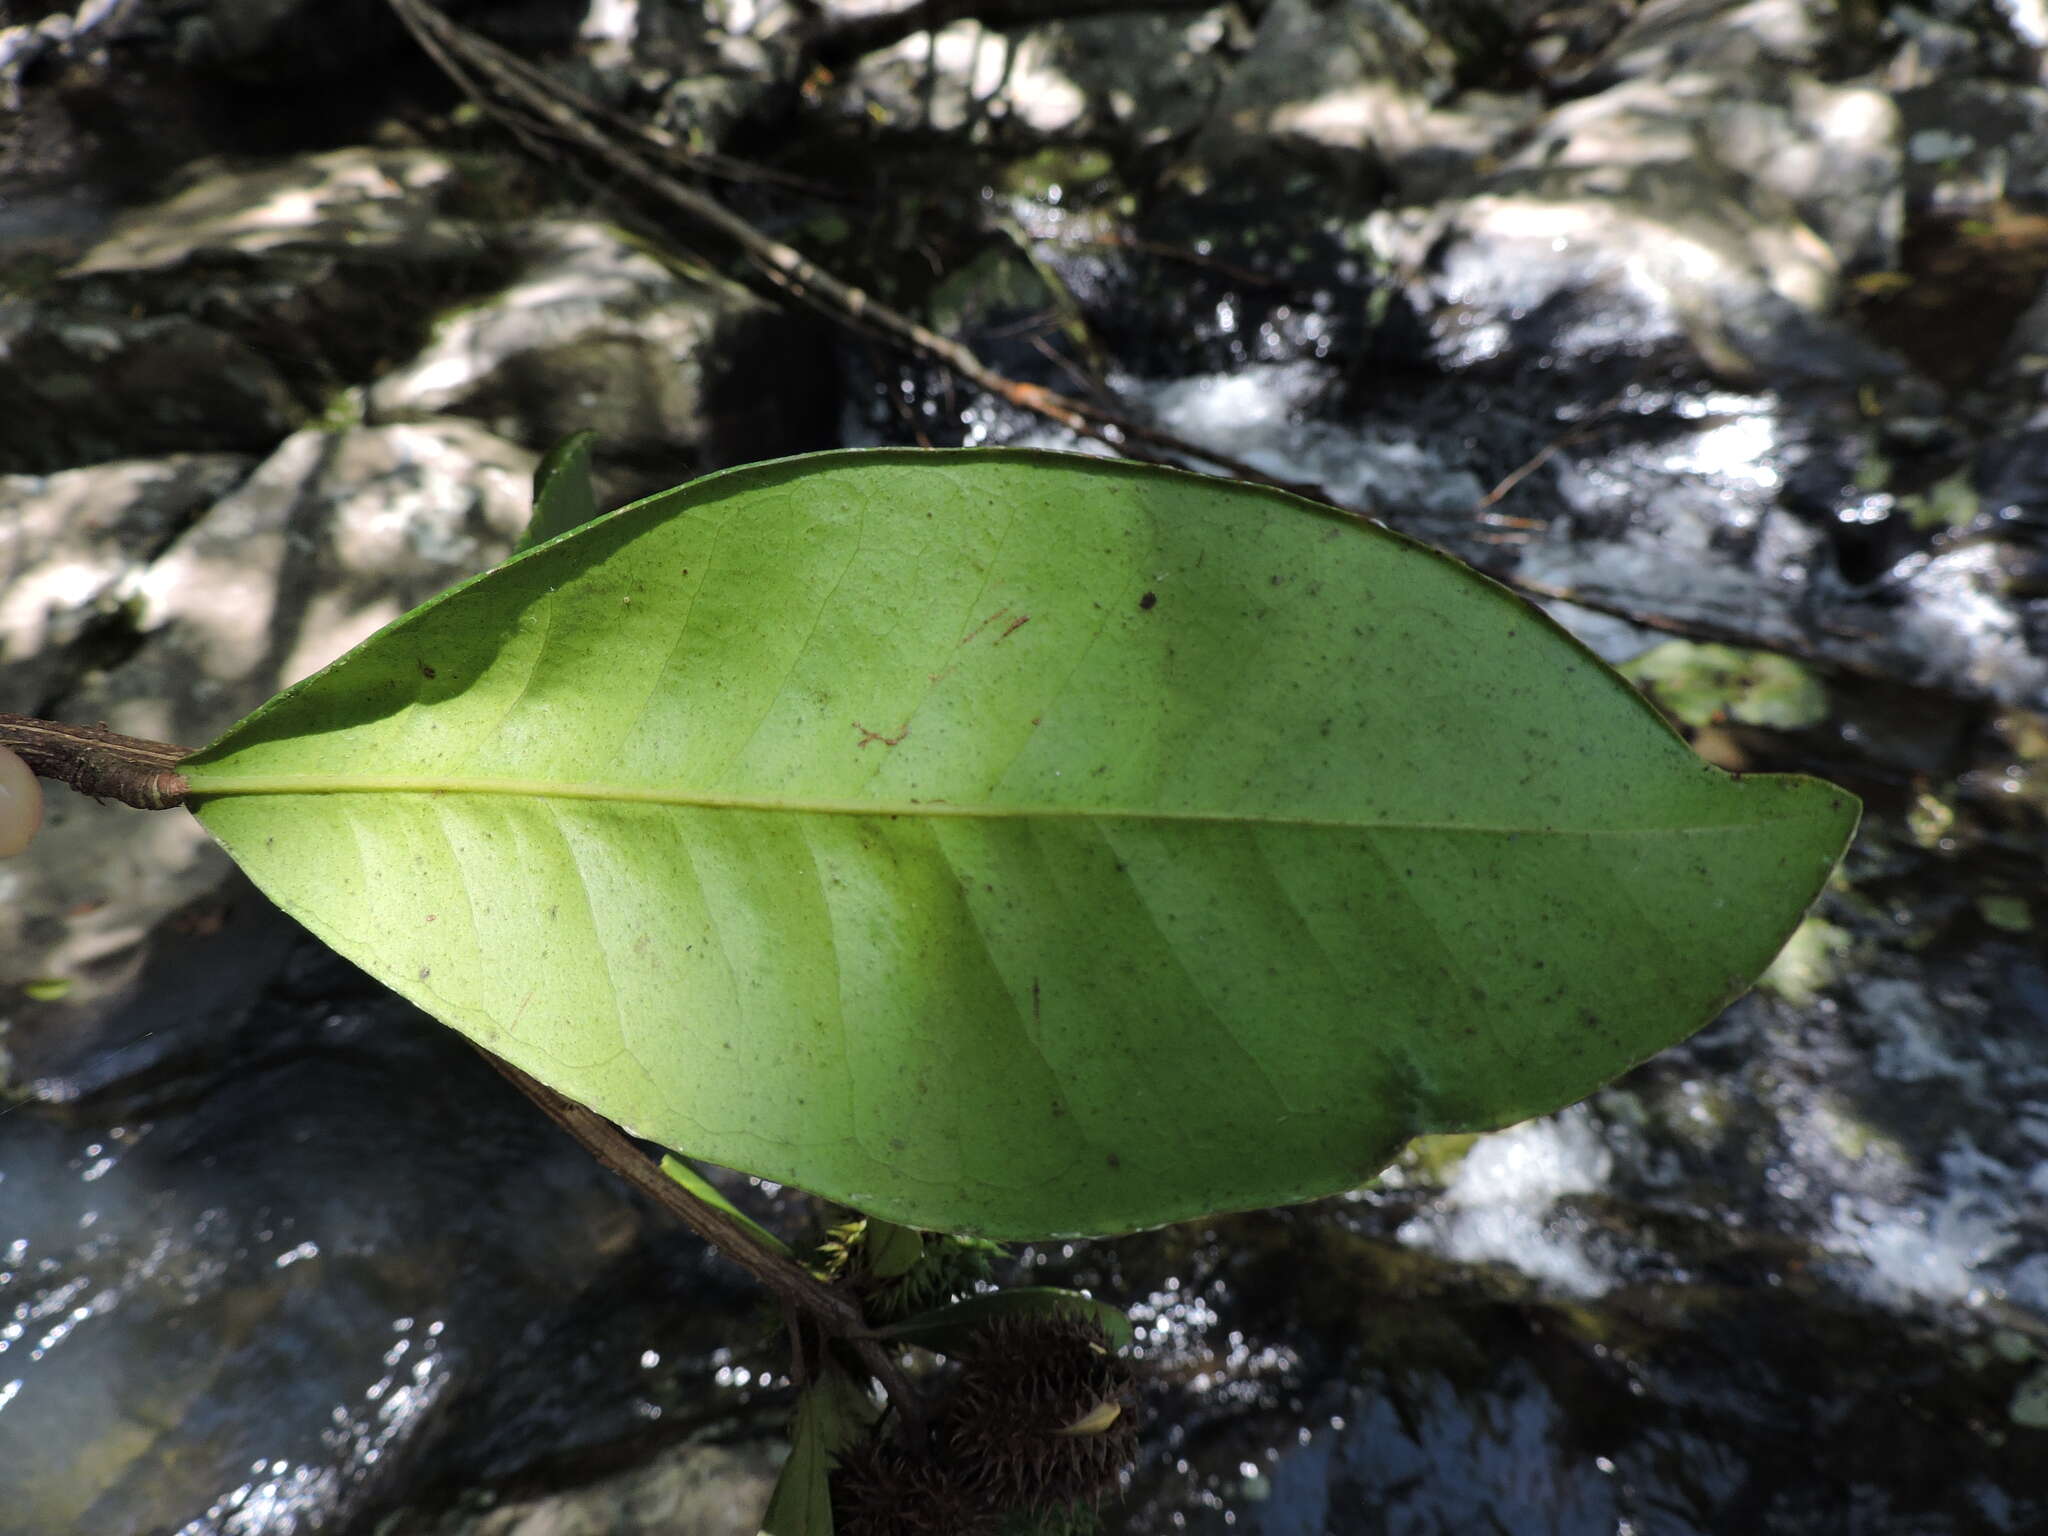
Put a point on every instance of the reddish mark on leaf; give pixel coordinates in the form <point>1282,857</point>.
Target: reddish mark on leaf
<point>867,735</point>
<point>984,624</point>
<point>428,672</point>
<point>433,917</point>
<point>1015,624</point>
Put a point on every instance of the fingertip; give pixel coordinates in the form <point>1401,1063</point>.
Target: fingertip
<point>21,804</point>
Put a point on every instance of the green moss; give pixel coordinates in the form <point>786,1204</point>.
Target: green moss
<point>1809,962</point>
<point>1077,170</point>
<point>1435,1159</point>
<point>2010,1345</point>
<point>1702,684</point>
<point>342,412</point>
<point>2005,912</point>
<point>1930,819</point>
<point>1950,503</point>
<point>1856,1139</point>
<point>2029,1407</point>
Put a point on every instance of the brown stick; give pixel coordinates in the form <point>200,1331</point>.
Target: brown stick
<point>98,762</point>
<point>837,1313</point>
<point>461,53</point>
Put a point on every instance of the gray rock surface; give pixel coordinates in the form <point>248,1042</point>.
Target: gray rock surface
<point>70,541</point>
<point>593,331</point>
<point>705,1490</point>
<point>332,536</point>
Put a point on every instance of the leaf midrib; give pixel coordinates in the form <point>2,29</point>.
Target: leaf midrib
<point>202,786</point>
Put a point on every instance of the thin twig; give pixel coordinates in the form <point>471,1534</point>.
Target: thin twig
<point>98,762</point>
<point>783,265</point>
<point>835,1312</point>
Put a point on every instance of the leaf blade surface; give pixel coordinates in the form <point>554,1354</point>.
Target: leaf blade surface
<point>1017,843</point>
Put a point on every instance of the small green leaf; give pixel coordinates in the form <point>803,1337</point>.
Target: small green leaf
<point>710,1194</point>
<point>562,497</point>
<point>47,989</point>
<point>1701,684</point>
<point>946,1329</point>
<point>2005,911</point>
<point>830,1415</point>
<point>1017,843</point>
<point>891,1250</point>
<point>801,1504</point>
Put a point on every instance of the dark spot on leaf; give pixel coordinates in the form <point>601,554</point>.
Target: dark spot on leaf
<point>1115,1161</point>
<point>425,972</point>
<point>1149,600</point>
<point>427,672</point>
<point>1015,624</point>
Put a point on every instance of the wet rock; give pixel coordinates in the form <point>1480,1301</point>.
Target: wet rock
<point>1971,143</point>
<point>134,91</point>
<point>1698,211</point>
<point>1961,624</point>
<point>68,541</point>
<point>706,1490</point>
<point>330,538</point>
<point>78,389</point>
<point>1370,82</point>
<point>226,315</point>
<point>1833,152</point>
<point>678,371</point>
<point>1739,39</point>
<point>1957,38</point>
<point>289,40</point>
<point>1144,74</point>
<point>358,202</point>
<point>1667,265</point>
<point>1322,1379</point>
<point>259,1290</point>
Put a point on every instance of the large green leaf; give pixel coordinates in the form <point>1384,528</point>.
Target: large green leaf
<point>1017,843</point>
